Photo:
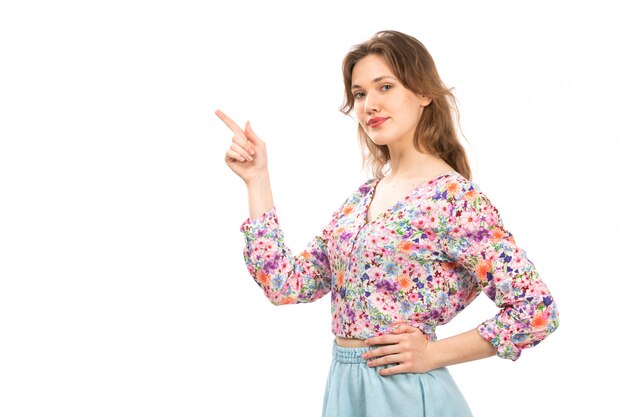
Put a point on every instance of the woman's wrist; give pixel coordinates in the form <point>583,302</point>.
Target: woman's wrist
<point>433,353</point>
<point>259,181</point>
<point>260,197</point>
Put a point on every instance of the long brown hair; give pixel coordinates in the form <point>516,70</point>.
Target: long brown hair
<point>415,68</point>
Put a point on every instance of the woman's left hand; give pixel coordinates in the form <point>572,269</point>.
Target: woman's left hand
<point>405,346</point>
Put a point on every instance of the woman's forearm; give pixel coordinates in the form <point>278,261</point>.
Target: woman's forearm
<point>260,197</point>
<point>464,347</point>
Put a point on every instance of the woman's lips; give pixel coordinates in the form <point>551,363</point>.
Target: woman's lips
<point>376,121</point>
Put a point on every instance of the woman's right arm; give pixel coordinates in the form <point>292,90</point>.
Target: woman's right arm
<point>285,278</point>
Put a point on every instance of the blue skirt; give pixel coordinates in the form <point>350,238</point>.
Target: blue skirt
<point>356,390</point>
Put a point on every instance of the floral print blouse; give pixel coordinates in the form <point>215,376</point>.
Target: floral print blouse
<point>419,262</point>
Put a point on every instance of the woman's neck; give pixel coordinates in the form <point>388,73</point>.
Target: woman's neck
<point>409,163</point>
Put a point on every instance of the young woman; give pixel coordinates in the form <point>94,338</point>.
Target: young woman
<point>405,252</point>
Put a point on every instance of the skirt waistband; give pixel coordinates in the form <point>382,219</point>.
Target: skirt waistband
<point>349,354</point>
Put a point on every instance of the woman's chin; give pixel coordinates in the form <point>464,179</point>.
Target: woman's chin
<point>379,141</point>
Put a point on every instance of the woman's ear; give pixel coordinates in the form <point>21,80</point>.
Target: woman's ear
<point>423,100</point>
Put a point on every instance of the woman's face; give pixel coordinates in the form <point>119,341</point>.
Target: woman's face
<point>387,111</point>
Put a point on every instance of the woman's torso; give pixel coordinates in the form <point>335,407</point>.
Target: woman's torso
<point>392,268</point>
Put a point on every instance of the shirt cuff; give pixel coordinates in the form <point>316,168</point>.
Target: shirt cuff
<point>267,220</point>
<point>499,336</point>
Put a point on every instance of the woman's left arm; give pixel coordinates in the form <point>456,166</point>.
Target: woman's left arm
<point>475,238</point>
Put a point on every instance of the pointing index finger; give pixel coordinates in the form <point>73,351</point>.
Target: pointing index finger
<point>230,123</point>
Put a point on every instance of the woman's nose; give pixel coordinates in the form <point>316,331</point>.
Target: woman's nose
<point>371,103</point>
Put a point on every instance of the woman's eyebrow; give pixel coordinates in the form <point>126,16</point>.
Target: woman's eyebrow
<point>375,80</point>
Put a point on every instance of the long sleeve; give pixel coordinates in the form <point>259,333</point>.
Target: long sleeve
<point>477,240</point>
<point>285,278</point>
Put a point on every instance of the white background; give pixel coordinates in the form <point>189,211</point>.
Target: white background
<point>123,291</point>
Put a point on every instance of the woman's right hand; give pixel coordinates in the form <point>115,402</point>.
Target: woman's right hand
<point>247,155</point>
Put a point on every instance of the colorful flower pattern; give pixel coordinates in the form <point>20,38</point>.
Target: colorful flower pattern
<point>421,262</point>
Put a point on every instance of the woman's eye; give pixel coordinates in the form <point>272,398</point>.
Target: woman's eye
<point>385,87</point>
<point>359,94</point>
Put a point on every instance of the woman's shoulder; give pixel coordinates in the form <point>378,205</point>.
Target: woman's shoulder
<point>362,190</point>
<point>465,196</point>
<point>357,196</point>
<point>455,186</point>
<point>367,186</point>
